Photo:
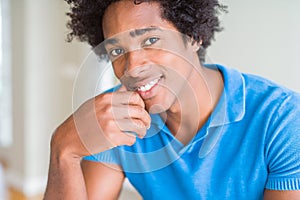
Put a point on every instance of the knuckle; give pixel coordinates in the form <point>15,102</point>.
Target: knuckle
<point>134,110</point>
<point>140,110</point>
<point>106,109</point>
<point>111,137</point>
<point>140,128</point>
<point>105,95</point>
<point>99,99</point>
<point>110,123</point>
<point>135,97</point>
<point>139,124</point>
<point>131,141</point>
<point>107,98</point>
<point>106,126</point>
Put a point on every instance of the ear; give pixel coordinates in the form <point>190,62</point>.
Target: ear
<point>195,45</point>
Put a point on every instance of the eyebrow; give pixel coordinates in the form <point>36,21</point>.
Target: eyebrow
<point>142,31</point>
<point>110,41</point>
<point>134,33</point>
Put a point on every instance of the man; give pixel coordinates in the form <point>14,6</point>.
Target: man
<point>176,128</point>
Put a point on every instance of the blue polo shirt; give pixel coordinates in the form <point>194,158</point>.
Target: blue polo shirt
<point>250,142</point>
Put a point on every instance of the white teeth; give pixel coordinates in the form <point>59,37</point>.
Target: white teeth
<point>148,86</point>
<point>142,88</point>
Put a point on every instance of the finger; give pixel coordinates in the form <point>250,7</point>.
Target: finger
<point>119,138</point>
<point>130,139</point>
<point>132,112</point>
<point>127,98</point>
<point>136,99</point>
<point>132,127</point>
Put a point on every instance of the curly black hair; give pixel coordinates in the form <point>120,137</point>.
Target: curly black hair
<point>197,19</point>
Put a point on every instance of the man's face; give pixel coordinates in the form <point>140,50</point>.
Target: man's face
<point>148,54</point>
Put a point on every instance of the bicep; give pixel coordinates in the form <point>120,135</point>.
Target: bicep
<point>282,195</point>
<point>282,148</point>
<point>102,180</point>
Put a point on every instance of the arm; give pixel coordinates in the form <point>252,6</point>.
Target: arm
<point>90,181</point>
<point>283,152</point>
<point>282,195</point>
<point>65,179</point>
<point>102,180</point>
<point>96,126</point>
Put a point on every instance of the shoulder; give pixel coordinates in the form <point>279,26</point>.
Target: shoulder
<point>278,109</point>
<point>258,85</point>
<point>265,94</point>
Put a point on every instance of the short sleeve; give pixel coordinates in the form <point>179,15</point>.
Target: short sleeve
<point>109,156</point>
<point>282,149</point>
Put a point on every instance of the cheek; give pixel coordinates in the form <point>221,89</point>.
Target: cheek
<point>176,66</point>
<point>161,102</point>
<point>118,67</point>
<point>117,72</point>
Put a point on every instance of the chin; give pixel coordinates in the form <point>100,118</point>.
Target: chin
<point>157,107</point>
<point>160,103</point>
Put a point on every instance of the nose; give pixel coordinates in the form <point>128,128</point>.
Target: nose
<point>137,63</point>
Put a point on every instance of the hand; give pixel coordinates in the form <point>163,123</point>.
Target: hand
<point>101,123</point>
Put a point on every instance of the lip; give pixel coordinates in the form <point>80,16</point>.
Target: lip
<point>144,82</point>
<point>151,92</point>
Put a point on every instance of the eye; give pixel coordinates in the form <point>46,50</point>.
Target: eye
<point>116,52</point>
<point>151,41</point>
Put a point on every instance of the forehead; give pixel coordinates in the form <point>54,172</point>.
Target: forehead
<point>124,15</point>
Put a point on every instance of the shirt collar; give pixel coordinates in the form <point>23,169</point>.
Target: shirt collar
<point>230,109</point>
<point>231,106</point>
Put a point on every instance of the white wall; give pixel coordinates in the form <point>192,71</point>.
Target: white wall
<point>261,37</point>
<point>42,87</point>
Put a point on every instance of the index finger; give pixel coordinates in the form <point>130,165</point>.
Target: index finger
<point>124,97</point>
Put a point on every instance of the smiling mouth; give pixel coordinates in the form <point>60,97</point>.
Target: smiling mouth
<point>148,86</point>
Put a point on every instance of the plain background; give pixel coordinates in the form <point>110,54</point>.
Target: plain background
<point>261,37</point>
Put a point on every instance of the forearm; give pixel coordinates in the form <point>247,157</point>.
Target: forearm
<point>65,179</point>
<point>93,128</point>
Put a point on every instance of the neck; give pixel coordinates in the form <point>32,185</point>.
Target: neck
<point>194,104</point>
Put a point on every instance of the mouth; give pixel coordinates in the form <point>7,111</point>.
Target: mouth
<point>148,86</point>
<point>149,89</point>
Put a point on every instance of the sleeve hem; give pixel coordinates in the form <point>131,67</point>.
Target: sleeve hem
<point>108,156</point>
<point>283,184</point>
